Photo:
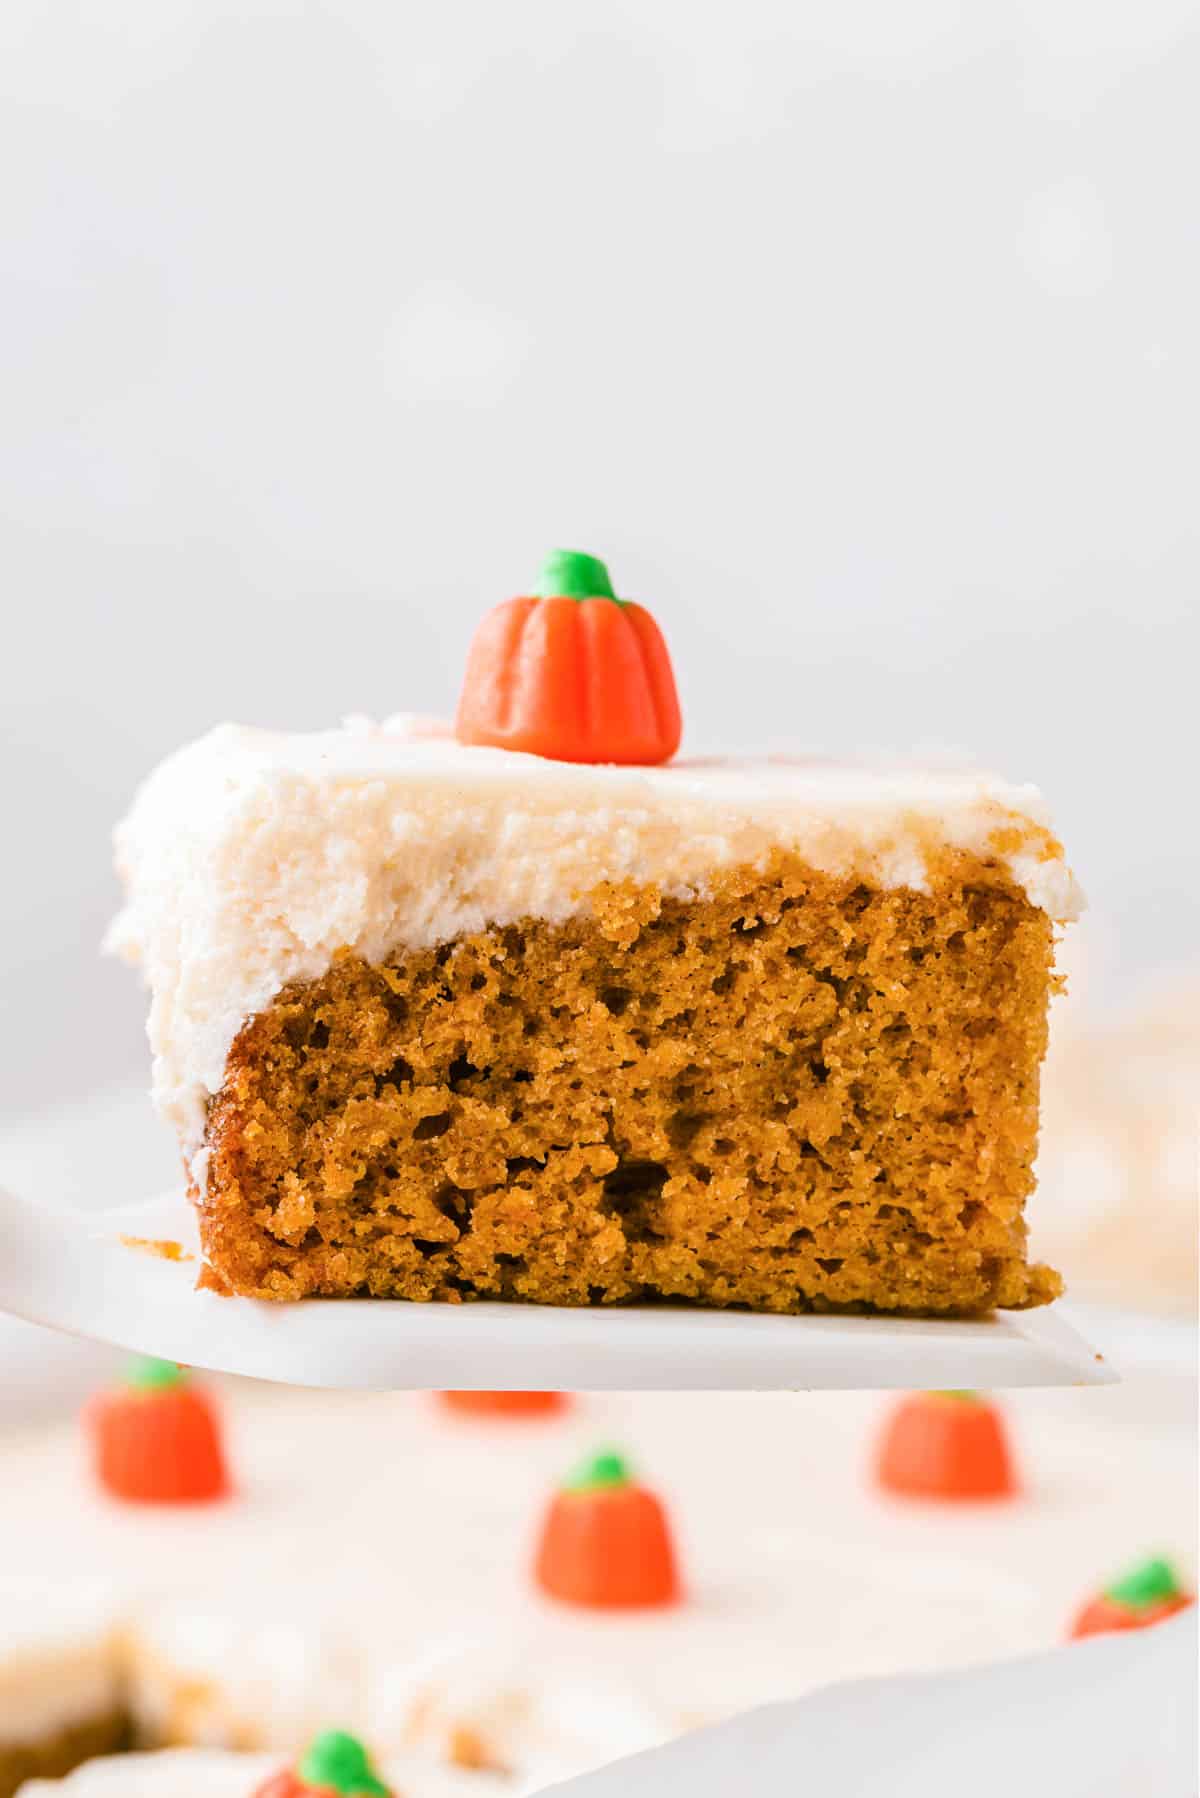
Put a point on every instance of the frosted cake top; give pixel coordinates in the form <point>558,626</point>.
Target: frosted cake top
<point>251,857</point>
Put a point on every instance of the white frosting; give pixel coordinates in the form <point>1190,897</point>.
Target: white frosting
<point>294,1676</point>
<point>58,1656</point>
<point>465,1687</point>
<point>173,1773</point>
<point>208,1773</point>
<point>250,858</point>
<point>377,1551</point>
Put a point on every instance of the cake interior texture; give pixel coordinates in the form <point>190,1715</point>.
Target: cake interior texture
<point>794,1093</point>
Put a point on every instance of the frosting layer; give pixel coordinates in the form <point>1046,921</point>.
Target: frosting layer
<point>173,1773</point>
<point>216,1773</point>
<point>250,858</point>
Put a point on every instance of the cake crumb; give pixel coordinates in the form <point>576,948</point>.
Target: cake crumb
<point>161,1246</point>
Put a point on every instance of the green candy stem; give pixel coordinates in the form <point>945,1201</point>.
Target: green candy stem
<point>339,1763</point>
<point>148,1375</point>
<point>1144,1585</point>
<point>601,1472</point>
<point>569,574</point>
<point>962,1393</point>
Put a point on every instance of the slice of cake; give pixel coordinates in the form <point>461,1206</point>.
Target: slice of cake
<point>61,1691</point>
<point>437,1019</point>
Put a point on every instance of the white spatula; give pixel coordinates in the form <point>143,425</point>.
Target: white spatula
<point>81,1273</point>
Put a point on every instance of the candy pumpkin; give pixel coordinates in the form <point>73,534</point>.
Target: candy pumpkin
<point>571,672</point>
<point>156,1439</point>
<point>606,1541</point>
<point>335,1765</point>
<point>505,1404</point>
<point>946,1445</point>
<point>1143,1596</point>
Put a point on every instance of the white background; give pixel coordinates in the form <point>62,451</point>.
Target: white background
<point>860,338</point>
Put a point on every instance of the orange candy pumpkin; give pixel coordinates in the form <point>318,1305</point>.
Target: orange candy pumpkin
<point>946,1445</point>
<point>284,1784</point>
<point>157,1438</point>
<point>505,1404</point>
<point>606,1542</point>
<point>571,672</point>
<point>1144,1596</point>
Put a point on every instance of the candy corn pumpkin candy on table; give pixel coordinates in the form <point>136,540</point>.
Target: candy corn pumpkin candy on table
<point>1143,1596</point>
<point>156,1438</point>
<point>606,1540</point>
<point>951,1446</point>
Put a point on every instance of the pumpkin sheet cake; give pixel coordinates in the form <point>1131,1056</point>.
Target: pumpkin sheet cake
<point>531,1008</point>
<point>525,1596</point>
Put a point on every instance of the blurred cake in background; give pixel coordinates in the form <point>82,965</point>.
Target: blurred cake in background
<point>530,1009</point>
<point>62,1697</point>
<point>372,1563</point>
<point>226,1773</point>
<point>173,1773</point>
<point>1119,1158</point>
